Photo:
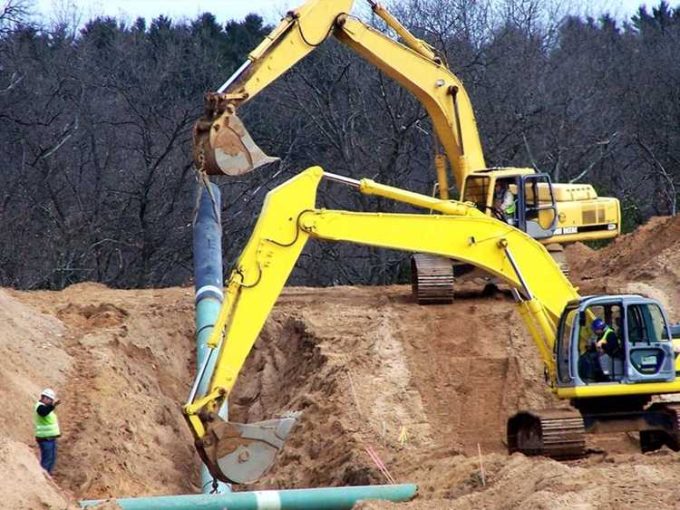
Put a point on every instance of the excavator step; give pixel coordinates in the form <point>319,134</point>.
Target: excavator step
<point>431,279</point>
<point>556,433</point>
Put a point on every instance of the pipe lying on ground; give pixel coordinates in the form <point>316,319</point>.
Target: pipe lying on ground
<point>332,498</point>
<point>208,286</point>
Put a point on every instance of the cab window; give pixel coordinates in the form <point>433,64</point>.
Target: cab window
<point>477,191</point>
<point>590,364</point>
<point>564,346</point>
<point>646,324</point>
<point>611,313</point>
<point>660,332</point>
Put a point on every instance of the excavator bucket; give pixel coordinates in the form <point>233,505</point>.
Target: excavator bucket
<point>240,452</point>
<point>222,145</point>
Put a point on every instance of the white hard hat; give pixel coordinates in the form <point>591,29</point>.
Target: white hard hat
<point>49,393</point>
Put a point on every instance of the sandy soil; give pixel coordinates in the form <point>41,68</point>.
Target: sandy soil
<point>428,388</point>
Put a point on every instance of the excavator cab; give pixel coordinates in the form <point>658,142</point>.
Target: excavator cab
<point>610,388</point>
<point>534,210</point>
<point>643,351</point>
<point>549,212</point>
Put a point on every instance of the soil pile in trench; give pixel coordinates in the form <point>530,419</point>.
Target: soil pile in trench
<point>427,388</point>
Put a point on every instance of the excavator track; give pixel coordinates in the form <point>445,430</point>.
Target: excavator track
<point>559,434</point>
<point>651,440</point>
<point>431,279</point>
<point>557,253</point>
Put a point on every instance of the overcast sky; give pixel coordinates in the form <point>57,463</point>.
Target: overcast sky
<point>271,10</point>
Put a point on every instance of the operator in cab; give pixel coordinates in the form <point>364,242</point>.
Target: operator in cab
<point>607,342</point>
<point>597,362</point>
<point>504,201</point>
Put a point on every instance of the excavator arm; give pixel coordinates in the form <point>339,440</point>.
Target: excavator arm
<point>287,221</point>
<point>222,145</point>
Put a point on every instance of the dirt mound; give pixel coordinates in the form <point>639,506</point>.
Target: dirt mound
<point>646,261</point>
<point>32,357</point>
<point>130,360</point>
<point>23,483</point>
<point>520,482</point>
<point>365,367</point>
<point>92,316</point>
<point>368,369</point>
<point>630,251</point>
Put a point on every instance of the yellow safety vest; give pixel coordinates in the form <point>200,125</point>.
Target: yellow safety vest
<point>45,426</point>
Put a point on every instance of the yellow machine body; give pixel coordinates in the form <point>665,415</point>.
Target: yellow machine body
<point>457,230</point>
<point>222,145</point>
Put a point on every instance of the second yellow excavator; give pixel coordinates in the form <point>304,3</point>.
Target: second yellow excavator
<point>553,213</point>
<point>610,390</point>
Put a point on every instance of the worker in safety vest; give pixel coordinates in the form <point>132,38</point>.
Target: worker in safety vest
<point>606,341</point>
<point>596,363</point>
<point>504,202</point>
<point>47,428</point>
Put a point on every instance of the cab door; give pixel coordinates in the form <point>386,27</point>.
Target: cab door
<point>649,348</point>
<point>536,208</point>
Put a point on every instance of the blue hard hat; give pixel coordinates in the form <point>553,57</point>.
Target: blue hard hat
<point>598,324</point>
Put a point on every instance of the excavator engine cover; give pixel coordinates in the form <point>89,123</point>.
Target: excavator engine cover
<point>242,452</point>
<point>222,145</point>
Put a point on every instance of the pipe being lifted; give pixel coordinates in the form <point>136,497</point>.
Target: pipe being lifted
<point>208,286</point>
<point>332,498</point>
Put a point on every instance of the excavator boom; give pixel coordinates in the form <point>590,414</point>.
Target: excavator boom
<point>414,65</point>
<point>239,452</point>
<point>236,452</point>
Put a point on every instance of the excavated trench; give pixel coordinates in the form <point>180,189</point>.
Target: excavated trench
<point>373,370</point>
<point>290,370</point>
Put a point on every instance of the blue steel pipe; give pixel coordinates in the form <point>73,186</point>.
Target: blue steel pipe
<point>208,286</point>
<point>332,498</point>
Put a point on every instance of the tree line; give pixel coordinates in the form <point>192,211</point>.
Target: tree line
<point>97,180</point>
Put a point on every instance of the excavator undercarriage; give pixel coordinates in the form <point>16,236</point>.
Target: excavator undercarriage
<point>561,433</point>
<point>431,279</point>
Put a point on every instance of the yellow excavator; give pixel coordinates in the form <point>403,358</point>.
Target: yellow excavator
<point>615,397</point>
<point>553,213</point>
